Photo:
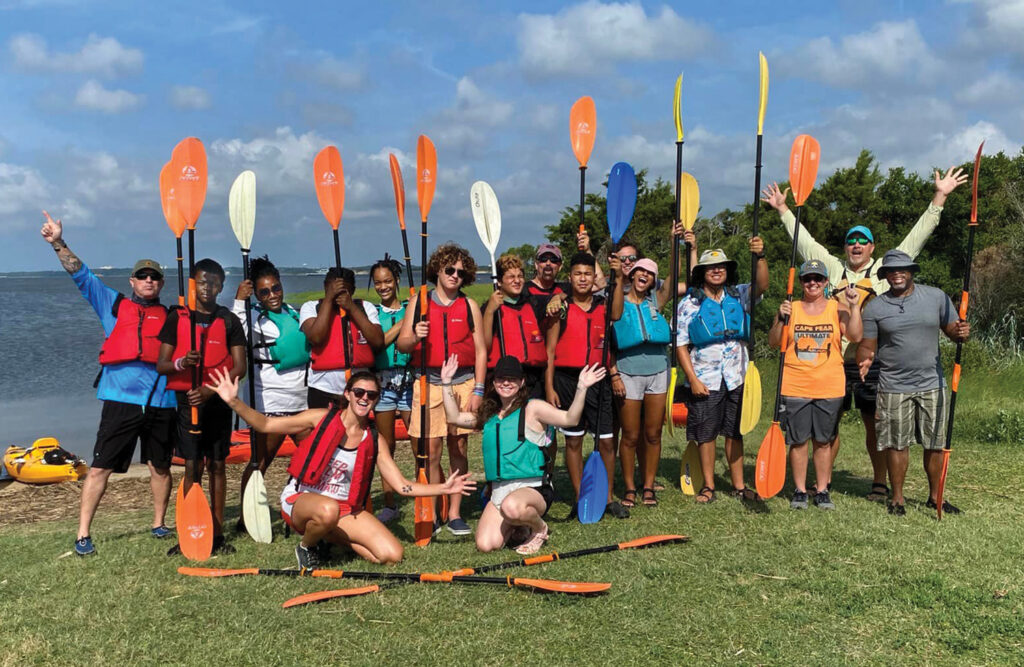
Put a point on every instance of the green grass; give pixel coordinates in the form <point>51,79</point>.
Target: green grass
<point>775,587</point>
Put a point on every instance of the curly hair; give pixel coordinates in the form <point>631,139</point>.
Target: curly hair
<point>507,262</point>
<point>261,267</point>
<point>447,255</point>
<point>491,404</point>
<point>389,263</point>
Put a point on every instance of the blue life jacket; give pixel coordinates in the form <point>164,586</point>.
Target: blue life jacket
<point>717,322</point>
<point>390,357</point>
<point>507,453</point>
<point>641,323</point>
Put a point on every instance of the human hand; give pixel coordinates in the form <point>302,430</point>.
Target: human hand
<point>460,483</point>
<point>448,369</point>
<point>244,290</point>
<point>757,245</point>
<point>954,177</point>
<point>223,385</point>
<point>53,230</point>
<point>583,241</point>
<point>697,388</point>
<point>555,305</point>
<point>962,330</point>
<point>591,375</point>
<point>864,366</point>
<point>421,329</point>
<point>495,300</point>
<point>618,386</point>
<point>332,289</point>
<point>552,397</point>
<point>344,298</point>
<point>690,238</point>
<point>200,395</point>
<point>190,359</point>
<point>473,404</point>
<point>785,309</point>
<point>615,264</point>
<point>775,197</point>
<point>852,298</point>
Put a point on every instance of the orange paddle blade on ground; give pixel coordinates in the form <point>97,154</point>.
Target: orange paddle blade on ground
<point>195,532</point>
<point>320,596</point>
<point>399,185</point>
<point>583,128</point>
<point>572,587</point>
<point>215,572</point>
<point>803,166</point>
<point>426,174</point>
<point>188,161</point>
<point>329,179</point>
<point>167,202</point>
<point>770,468</point>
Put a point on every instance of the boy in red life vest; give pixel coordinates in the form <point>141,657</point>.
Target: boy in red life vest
<point>220,338</point>
<point>453,325</point>
<point>520,334</point>
<point>574,341</point>
<point>340,345</point>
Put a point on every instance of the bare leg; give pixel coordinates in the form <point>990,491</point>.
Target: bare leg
<point>92,491</point>
<point>218,493</point>
<point>933,468</point>
<point>606,447</point>
<point>897,459</point>
<point>878,459</point>
<point>458,462</point>
<point>822,464</point>
<point>160,485</point>
<point>386,438</point>
<point>734,456</point>
<point>654,414</point>
<point>314,516</point>
<point>798,466</point>
<point>707,462</point>
<point>629,420</point>
<point>574,460</point>
<point>369,538</point>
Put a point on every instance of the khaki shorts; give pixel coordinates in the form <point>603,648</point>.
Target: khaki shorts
<point>435,407</point>
<point>901,419</point>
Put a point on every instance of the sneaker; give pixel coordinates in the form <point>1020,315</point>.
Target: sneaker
<point>160,532</point>
<point>387,514</point>
<point>616,510</point>
<point>308,559</point>
<point>458,526</point>
<point>535,542</point>
<point>824,501</point>
<point>221,546</point>
<point>438,526</point>
<point>84,547</point>
<point>799,501</point>
<point>897,510</point>
<point>947,507</point>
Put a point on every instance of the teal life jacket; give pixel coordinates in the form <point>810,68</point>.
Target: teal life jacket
<point>507,452</point>
<point>390,357</point>
<point>641,323</point>
<point>717,322</point>
<point>291,349</point>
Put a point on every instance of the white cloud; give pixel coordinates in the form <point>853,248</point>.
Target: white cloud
<point>474,106</point>
<point>102,56</point>
<point>998,27</point>
<point>336,74</point>
<point>464,128</point>
<point>190,97</point>
<point>100,179</point>
<point>283,162</point>
<point>21,191</point>
<point>93,96</point>
<point>591,36</point>
<point>891,52</point>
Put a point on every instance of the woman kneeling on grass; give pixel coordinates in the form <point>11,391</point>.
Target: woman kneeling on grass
<point>332,469</point>
<point>516,436</point>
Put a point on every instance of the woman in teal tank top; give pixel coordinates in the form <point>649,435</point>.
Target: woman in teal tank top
<point>515,439</point>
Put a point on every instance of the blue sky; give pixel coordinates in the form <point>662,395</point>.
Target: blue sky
<point>97,94</point>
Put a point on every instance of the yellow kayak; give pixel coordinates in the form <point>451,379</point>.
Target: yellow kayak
<point>43,463</point>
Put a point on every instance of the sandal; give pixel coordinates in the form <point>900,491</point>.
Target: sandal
<point>879,493</point>
<point>629,498</point>
<point>706,495</point>
<point>649,498</point>
<point>746,494</point>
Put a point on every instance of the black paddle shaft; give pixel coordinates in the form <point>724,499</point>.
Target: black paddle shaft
<point>960,343</point>
<point>785,320</point>
<point>181,273</point>
<point>754,230</point>
<point>583,193</point>
<point>549,558</point>
<point>421,448</point>
<point>250,361</point>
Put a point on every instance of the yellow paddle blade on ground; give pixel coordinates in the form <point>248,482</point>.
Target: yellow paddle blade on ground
<point>670,399</point>
<point>750,410</point>
<point>770,469</point>
<point>691,478</point>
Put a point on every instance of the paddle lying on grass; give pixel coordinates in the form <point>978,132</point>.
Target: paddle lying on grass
<point>750,409</point>
<point>688,206</point>
<point>770,467</point>
<point>242,214</point>
<point>188,165</point>
<point>677,113</point>
<point>487,218</point>
<point>594,483</point>
<point>972,226</point>
<point>582,132</point>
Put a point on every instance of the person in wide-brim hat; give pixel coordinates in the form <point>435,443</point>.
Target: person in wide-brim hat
<point>710,258</point>
<point>896,259</point>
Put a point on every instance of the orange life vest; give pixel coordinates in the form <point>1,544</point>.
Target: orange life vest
<point>521,334</point>
<point>346,346</point>
<point>581,338</point>
<point>314,452</point>
<point>212,342</point>
<point>134,336</point>
<point>451,332</point>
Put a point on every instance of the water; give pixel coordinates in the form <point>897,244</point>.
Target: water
<point>50,337</point>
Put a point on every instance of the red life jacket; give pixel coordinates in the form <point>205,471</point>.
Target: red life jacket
<point>212,342</point>
<point>346,346</point>
<point>314,452</point>
<point>581,338</point>
<point>451,332</point>
<point>521,334</point>
<point>134,336</point>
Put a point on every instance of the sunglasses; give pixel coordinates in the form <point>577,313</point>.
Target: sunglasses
<point>858,240</point>
<point>264,292</point>
<point>548,259</point>
<point>371,394</point>
<point>451,271</point>
<point>148,275</point>
<point>628,259</point>
<point>813,278</point>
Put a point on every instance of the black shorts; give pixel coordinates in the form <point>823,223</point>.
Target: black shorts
<point>597,407</point>
<point>319,399</point>
<point>122,425</point>
<point>862,394</point>
<point>713,415</point>
<point>214,439</point>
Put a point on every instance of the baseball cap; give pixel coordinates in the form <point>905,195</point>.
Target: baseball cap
<point>147,264</point>
<point>549,248</point>
<point>860,229</point>
<point>813,267</point>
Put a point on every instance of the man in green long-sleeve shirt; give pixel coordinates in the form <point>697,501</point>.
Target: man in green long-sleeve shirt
<point>860,269</point>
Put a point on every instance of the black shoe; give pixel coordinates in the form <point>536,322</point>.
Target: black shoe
<point>175,550</point>
<point>947,507</point>
<point>573,513</point>
<point>220,546</point>
<point>307,558</point>
<point>824,501</point>
<point>897,510</point>
<point>616,509</point>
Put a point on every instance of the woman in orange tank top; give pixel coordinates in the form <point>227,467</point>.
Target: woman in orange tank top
<point>813,382</point>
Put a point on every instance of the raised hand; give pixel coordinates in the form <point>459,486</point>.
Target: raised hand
<point>954,177</point>
<point>615,264</point>
<point>448,369</point>
<point>591,375</point>
<point>52,230</point>
<point>852,298</point>
<point>244,290</point>
<point>775,197</point>
<point>224,385</point>
<point>756,245</point>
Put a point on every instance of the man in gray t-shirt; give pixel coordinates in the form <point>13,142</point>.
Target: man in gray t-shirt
<point>901,335</point>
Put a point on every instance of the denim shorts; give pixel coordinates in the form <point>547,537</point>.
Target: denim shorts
<point>395,390</point>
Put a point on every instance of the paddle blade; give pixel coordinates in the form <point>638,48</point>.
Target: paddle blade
<point>621,199</point>
<point>593,490</point>
<point>329,180</point>
<point>189,164</point>
<point>426,174</point>
<point>399,185</point>
<point>677,108</point>
<point>763,93</point>
<point>942,483</point>
<point>423,509</point>
<point>803,166</point>
<point>689,200</point>
<point>974,198</point>
<point>750,410</point>
<point>583,128</point>
<point>195,532</point>
<point>669,400</point>
<point>691,478</point>
<point>167,202</point>
<point>652,541</point>
<point>486,214</point>
<point>770,469</point>
<point>570,587</point>
<point>256,509</point>
<point>215,572</point>
<point>242,208</point>
<point>320,596</point>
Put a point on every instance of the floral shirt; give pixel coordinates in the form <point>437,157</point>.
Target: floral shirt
<point>717,362</point>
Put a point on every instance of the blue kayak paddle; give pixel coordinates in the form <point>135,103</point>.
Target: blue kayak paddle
<point>620,205</point>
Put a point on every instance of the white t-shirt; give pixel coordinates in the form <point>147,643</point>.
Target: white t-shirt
<point>275,391</point>
<point>332,382</point>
